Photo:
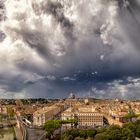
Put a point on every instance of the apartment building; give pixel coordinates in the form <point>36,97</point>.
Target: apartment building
<point>90,119</point>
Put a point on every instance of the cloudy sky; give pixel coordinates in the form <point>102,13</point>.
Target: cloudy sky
<point>50,48</point>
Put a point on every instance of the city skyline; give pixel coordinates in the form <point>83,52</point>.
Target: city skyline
<point>50,48</point>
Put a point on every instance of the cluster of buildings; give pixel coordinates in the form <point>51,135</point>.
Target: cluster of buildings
<point>88,112</point>
<point>116,110</point>
<point>71,108</point>
<point>95,113</point>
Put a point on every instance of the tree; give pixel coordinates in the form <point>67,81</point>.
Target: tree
<point>50,127</point>
<point>91,133</point>
<point>53,125</point>
<point>70,137</point>
<point>101,130</point>
<point>138,131</point>
<point>101,136</point>
<point>137,122</point>
<point>130,126</point>
<point>78,138</point>
<point>127,134</point>
<point>114,134</point>
<point>114,127</point>
<point>75,133</point>
<point>82,133</point>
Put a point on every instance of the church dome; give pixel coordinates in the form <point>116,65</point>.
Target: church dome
<point>71,96</point>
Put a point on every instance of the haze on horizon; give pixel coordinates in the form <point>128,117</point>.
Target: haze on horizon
<point>49,48</point>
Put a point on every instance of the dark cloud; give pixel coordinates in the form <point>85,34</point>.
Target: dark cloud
<point>57,47</point>
<point>35,41</point>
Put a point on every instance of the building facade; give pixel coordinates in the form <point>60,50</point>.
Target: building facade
<point>40,117</point>
<point>86,117</point>
<point>90,119</point>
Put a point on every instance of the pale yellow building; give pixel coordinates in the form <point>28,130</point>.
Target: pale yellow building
<point>86,117</point>
<point>40,117</point>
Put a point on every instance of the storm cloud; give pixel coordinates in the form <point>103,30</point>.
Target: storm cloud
<point>50,48</point>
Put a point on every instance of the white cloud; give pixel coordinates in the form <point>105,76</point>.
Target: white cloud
<point>4,94</point>
<point>102,57</point>
<point>32,77</point>
<point>51,77</point>
<point>128,88</point>
<point>21,95</point>
<point>68,79</point>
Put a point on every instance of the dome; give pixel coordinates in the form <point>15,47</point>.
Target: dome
<point>71,96</point>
